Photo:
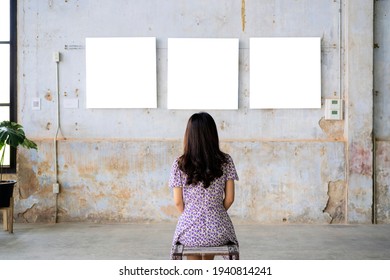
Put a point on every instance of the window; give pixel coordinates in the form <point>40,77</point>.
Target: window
<point>8,71</point>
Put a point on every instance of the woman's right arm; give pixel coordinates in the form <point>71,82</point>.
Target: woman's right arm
<point>178,198</point>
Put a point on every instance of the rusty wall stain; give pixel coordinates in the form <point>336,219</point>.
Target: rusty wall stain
<point>361,159</point>
<point>243,15</point>
<point>86,169</point>
<point>48,95</point>
<point>334,129</point>
<point>336,204</point>
<point>27,180</point>
<point>44,169</point>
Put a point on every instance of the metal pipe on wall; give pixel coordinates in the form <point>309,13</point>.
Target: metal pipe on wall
<point>56,57</point>
<point>340,53</point>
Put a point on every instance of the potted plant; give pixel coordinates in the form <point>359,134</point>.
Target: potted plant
<point>11,134</point>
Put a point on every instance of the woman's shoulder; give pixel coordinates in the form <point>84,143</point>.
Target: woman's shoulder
<point>176,162</point>
<point>228,157</point>
<point>229,168</point>
<point>228,161</point>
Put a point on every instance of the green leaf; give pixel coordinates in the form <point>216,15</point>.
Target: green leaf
<point>29,144</point>
<point>11,133</point>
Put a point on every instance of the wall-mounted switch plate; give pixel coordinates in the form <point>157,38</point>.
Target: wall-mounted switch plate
<point>56,188</point>
<point>56,56</point>
<point>333,109</point>
<point>36,104</point>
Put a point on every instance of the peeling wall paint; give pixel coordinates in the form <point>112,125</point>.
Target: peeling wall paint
<point>336,205</point>
<point>114,164</point>
<point>334,129</point>
<point>127,180</point>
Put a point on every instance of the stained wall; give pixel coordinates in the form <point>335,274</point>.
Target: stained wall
<point>382,112</point>
<point>113,165</point>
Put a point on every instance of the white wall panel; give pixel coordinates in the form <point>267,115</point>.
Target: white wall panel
<point>202,73</point>
<point>121,73</point>
<point>285,73</point>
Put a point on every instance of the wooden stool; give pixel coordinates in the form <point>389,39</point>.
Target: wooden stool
<point>8,216</point>
<point>230,250</point>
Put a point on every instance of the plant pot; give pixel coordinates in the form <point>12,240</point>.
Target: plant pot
<point>6,192</point>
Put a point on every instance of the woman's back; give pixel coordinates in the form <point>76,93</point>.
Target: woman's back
<point>204,221</point>
<point>202,180</point>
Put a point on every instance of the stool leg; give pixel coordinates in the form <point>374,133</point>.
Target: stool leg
<point>178,252</point>
<point>11,216</point>
<point>5,219</point>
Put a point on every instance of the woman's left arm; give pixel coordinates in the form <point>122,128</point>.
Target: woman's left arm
<point>229,194</point>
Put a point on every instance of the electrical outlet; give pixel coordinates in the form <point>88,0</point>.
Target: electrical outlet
<point>56,188</point>
<point>333,109</point>
<point>56,56</point>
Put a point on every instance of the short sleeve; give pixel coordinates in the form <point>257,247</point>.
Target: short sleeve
<point>175,178</point>
<point>230,169</point>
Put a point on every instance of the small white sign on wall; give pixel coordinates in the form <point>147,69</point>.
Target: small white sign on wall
<point>285,72</point>
<point>121,72</point>
<point>203,73</point>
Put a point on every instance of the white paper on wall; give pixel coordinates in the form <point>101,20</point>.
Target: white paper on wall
<point>285,72</point>
<point>203,73</point>
<point>121,72</point>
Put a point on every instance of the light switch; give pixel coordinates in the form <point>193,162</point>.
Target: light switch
<point>36,104</point>
<point>333,109</point>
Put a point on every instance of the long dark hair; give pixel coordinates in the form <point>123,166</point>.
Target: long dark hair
<point>202,159</point>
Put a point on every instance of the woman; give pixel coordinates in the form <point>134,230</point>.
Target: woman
<point>202,180</point>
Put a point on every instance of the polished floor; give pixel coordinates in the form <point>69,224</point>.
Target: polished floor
<point>86,241</point>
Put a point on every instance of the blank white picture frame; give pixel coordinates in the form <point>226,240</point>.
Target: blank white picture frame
<point>121,72</point>
<point>285,73</point>
<point>203,73</point>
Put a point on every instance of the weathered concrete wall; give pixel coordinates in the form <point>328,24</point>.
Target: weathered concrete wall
<point>382,195</point>
<point>382,110</point>
<point>114,165</point>
<point>359,108</point>
<point>126,180</point>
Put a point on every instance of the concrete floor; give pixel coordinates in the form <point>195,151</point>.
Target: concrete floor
<point>85,241</point>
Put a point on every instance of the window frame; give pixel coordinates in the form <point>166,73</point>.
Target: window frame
<point>13,80</point>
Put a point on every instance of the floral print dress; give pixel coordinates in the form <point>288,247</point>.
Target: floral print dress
<point>204,221</point>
